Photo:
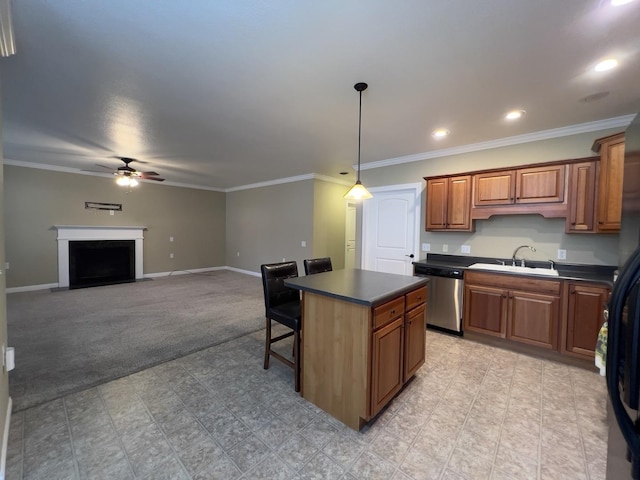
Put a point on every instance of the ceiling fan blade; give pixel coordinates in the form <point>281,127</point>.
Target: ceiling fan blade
<point>157,179</point>
<point>104,166</point>
<point>148,173</point>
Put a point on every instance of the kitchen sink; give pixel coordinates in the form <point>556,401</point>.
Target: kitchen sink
<point>547,272</point>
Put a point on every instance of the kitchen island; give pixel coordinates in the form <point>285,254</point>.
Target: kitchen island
<point>363,338</point>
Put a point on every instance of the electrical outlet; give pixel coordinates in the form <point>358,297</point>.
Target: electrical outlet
<point>426,247</point>
<point>445,247</point>
<point>303,243</point>
<point>237,254</point>
<point>284,259</point>
<point>111,212</point>
<point>562,254</point>
<point>171,255</point>
<point>171,239</point>
<point>465,248</point>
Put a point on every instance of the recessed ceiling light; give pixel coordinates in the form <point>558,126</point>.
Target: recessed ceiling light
<point>617,3</point>
<point>440,133</point>
<point>515,114</point>
<point>605,65</point>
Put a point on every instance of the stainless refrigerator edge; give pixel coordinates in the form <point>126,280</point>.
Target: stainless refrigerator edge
<point>623,341</point>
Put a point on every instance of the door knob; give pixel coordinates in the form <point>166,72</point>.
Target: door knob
<point>410,256</point>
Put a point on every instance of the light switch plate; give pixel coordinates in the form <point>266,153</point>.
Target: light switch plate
<point>303,243</point>
<point>465,248</point>
<point>562,254</point>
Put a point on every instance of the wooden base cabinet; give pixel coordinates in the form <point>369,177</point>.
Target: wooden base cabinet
<point>485,309</point>
<point>522,309</point>
<point>534,318</point>
<point>585,304</point>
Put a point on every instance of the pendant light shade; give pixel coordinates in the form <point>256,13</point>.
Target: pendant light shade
<point>358,191</point>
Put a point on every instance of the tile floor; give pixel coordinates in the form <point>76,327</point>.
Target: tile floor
<point>472,412</point>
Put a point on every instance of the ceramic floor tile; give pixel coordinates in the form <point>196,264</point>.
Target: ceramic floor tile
<point>472,411</point>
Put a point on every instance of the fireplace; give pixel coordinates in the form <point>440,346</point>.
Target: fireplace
<point>101,262</point>
<point>98,255</point>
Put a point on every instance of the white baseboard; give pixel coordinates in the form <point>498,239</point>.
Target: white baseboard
<point>182,272</point>
<point>246,272</point>
<point>31,288</point>
<point>49,286</point>
<point>5,440</point>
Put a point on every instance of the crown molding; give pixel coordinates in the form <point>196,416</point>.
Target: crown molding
<point>297,178</point>
<point>55,168</point>
<point>615,122</point>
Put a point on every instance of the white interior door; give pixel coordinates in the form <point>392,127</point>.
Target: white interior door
<point>390,231</point>
<point>350,237</point>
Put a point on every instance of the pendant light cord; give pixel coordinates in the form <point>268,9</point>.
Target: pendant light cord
<point>359,134</point>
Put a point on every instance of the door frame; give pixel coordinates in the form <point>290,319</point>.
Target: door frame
<point>416,189</point>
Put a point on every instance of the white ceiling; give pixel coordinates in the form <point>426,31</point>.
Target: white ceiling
<point>227,93</point>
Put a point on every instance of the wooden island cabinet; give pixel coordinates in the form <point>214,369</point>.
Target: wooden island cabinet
<point>363,338</point>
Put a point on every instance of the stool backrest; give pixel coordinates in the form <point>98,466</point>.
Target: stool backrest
<point>273,277</point>
<point>317,265</point>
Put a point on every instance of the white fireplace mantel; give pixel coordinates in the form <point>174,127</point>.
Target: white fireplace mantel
<point>67,233</point>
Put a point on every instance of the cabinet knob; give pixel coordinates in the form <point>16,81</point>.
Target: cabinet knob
<point>573,292</point>
<point>504,296</point>
<point>573,223</point>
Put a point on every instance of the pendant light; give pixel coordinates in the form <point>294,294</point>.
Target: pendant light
<point>358,191</point>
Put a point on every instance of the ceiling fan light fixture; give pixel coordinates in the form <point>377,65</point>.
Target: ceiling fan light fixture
<point>358,191</point>
<point>123,181</point>
<point>133,182</point>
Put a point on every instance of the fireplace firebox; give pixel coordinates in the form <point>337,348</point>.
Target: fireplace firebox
<point>101,262</point>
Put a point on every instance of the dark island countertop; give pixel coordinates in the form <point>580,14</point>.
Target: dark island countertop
<point>566,271</point>
<point>364,287</point>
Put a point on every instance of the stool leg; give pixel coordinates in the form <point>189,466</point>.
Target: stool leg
<point>267,345</point>
<point>296,360</point>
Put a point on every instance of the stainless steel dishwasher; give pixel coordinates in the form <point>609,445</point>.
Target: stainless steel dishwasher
<point>444,305</point>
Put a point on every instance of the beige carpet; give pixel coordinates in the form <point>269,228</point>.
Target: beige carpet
<point>68,341</point>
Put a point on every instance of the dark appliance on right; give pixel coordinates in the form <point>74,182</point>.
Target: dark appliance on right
<point>623,339</point>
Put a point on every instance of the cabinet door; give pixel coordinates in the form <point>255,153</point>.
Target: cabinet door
<point>586,303</point>
<point>387,364</point>
<point>540,184</point>
<point>582,191</point>
<point>533,319</point>
<point>414,340</point>
<point>459,203</point>
<point>436,209</point>
<point>497,188</point>
<point>610,185</point>
<point>485,309</point>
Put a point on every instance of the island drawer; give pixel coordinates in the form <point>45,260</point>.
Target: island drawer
<point>387,312</point>
<point>415,298</point>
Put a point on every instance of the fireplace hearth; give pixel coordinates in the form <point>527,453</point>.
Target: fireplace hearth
<point>101,262</point>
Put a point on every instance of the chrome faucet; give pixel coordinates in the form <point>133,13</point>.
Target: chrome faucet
<point>515,252</point>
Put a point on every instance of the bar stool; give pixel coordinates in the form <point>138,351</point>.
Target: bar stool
<point>317,265</point>
<point>282,304</point>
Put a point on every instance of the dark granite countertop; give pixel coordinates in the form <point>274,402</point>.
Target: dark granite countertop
<point>566,271</point>
<point>357,286</point>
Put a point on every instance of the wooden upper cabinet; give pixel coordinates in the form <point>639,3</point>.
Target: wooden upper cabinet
<point>540,184</point>
<point>448,203</point>
<point>525,185</point>
<point>496,188</point>
<point>582,195</point>
<point>609,210</point>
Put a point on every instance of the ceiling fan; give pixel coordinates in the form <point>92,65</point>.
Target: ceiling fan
<point>128,176</point>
